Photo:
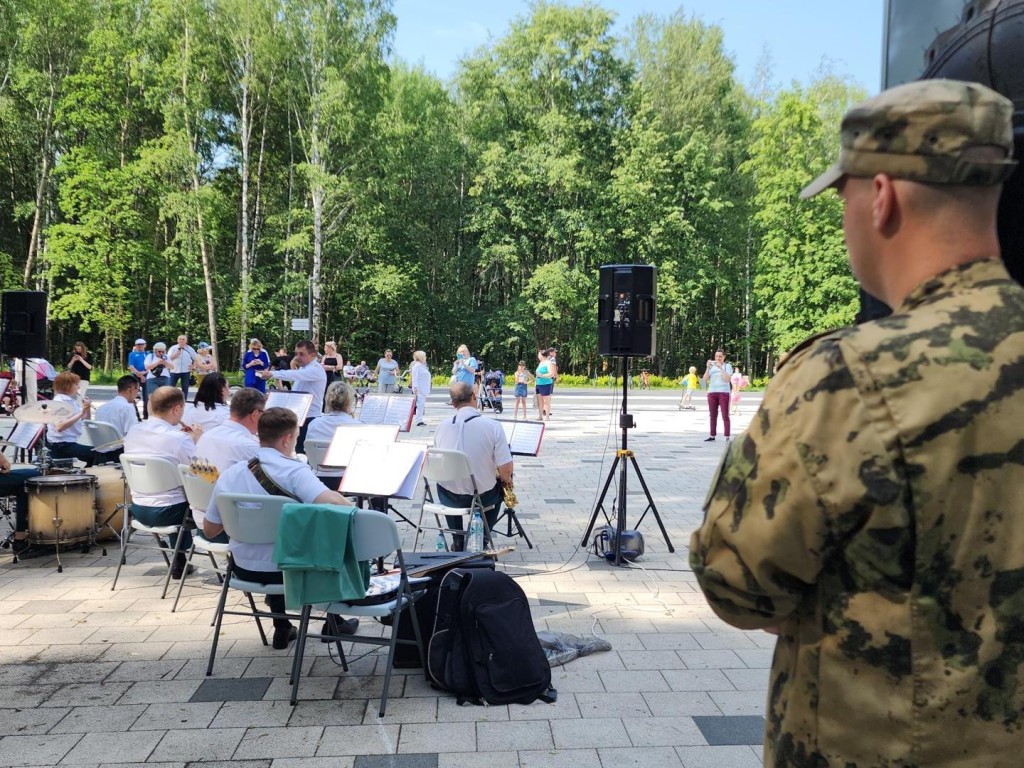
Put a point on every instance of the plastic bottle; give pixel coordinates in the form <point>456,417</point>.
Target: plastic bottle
<point>440,545</point>
<point>475,541</point>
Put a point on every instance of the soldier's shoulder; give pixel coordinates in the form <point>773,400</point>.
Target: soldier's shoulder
<point>806,348</point>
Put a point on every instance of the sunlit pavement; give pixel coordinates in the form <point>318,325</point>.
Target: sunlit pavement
<point>95,677</point>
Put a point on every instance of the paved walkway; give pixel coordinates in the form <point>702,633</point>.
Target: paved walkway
<point>92,677</point>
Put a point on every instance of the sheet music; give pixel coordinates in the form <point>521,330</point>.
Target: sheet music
<point>382,469</point>
<point>25,435</point>
<point>296,402</point>
<point>388,409</point>
<point>339,453</point>
<point>523,437</point>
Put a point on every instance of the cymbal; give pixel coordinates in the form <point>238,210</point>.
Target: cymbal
<point>43,412</point>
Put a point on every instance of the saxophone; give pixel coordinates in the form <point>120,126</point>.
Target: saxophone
<point>510,496</point>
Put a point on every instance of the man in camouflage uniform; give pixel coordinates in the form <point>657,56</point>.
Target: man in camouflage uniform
<point>871,515</point>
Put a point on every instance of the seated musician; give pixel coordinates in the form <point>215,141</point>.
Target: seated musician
<point>272,471</point>
<point>120,413</point>
<point>62,436</point>
<point>339,407</point>
<point>482,439</point>
<point>233,441</point>
<point>161,436</point>
<point>12,483</point>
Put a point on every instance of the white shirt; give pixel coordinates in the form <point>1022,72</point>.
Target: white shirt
<point>149,372</point>
<point>197,414</point>
<point>482,440</point>
<point>295,477</point>
<point>120,414</point>
<point>182,358</point>
<point>421,378</point>
<point>311,378</point>
<point>70,434</point>
<point>223,447</point>
<point>157,438</point>
<point>323,428</point>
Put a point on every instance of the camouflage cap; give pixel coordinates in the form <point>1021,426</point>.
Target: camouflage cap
<point>927,131</point>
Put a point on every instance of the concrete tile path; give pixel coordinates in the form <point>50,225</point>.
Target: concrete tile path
<point>92,677</point>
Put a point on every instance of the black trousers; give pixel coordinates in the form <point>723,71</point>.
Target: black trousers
<point>276,602</point>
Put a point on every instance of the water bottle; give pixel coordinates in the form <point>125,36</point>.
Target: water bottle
<point>440,546</point>
<point>475,543</point>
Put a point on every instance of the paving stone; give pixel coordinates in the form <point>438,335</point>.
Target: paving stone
<point>252,714</point>
<point>718,757</point>
<point>640,757</point>
<point>94,748</point>
<point>590,733</point>
<point>246,689</point>
<point>748,679</point>
<point>739,702</point>
<point>197,744</point>
<point>138,671</point>
<point>359,740</point>
<point>87,695</point>
<point>663,731</point>
<point>93,719</point>
<point>330,712</point>
<point>559,758</point>
<point>177,715</point>
<point>396,761</point>
<point>36,749</point>
<point>514,735</point>
<point>723,731</point>
<point>279,742</point>
<point>438,737</point>
<point>29,722</point>
<point>475,760</point>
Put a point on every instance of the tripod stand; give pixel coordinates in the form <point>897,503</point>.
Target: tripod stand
<point>620,463</point>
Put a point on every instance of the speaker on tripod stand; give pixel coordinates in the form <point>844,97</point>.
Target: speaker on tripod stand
<point>626,328</point>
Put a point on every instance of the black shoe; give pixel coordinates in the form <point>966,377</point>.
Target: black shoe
<point>19,545</point>
<point>709,439</point>
<point>421,423</point>
<point>283,637</point>
<point>181,567</point>
<point>344,627</point>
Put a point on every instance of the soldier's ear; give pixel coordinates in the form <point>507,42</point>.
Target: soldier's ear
<point>885,209</point>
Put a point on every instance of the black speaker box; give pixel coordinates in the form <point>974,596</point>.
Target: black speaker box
<point>24,323</point>
<point>626,310</point>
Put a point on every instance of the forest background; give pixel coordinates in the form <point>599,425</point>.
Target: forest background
<point>206,165</point>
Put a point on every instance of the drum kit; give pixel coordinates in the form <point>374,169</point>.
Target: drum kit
<point>66,506</point>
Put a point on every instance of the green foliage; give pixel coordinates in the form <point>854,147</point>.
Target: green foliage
<point>190,165</point>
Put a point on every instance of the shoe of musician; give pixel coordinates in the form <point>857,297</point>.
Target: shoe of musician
<point>181,567</point>
<point>283,637</point>
<point>421,423</point>
<point>344,627</point>
<point>709,439</point>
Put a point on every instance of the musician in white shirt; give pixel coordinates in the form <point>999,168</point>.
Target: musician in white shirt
<point>340,404</point>
<point>120,413</point>
<point>309,376</point>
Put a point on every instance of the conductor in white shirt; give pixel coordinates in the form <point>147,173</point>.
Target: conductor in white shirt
<point>120,413</point>
<point>483,441</point>
<point>309,376</point>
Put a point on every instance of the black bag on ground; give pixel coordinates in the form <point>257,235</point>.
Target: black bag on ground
<point>631,544</point>
<point>484,648</point>
<point>406,656</point>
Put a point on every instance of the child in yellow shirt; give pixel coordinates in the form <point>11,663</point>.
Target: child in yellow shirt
<point>690,384</point>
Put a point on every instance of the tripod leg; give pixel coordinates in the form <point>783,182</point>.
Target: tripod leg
<point>651,505</point>
<point>599,507</point>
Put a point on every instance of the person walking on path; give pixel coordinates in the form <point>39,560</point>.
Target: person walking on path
<point>718,378</point>
<point>870,515</point>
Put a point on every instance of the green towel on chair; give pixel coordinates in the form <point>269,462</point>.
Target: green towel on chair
<point>314,551</point>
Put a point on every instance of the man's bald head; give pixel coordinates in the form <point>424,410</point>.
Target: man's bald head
<point>460,393</point>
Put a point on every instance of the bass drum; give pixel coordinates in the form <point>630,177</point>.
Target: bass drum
<point>60,509</point>
<point>110,489</point>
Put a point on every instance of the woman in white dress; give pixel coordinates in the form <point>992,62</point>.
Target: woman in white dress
<point>339,407</point>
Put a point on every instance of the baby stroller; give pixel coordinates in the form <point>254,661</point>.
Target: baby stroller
<point>364,378</point>
<point>490,392</point>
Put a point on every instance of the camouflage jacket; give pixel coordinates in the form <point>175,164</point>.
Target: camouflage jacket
<point>873,514</point>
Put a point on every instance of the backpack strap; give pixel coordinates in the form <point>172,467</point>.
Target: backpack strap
<point>268,485</point>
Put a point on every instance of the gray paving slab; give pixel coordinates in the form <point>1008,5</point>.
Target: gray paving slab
<point>91,675</point>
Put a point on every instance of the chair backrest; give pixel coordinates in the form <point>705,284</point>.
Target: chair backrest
<point>444,465</point>
<point>250,518</point>
<point>197,489</point>
<point>149,475</point>
<point>99,433</point>
<point>315,452</point>
<point>375,534</point>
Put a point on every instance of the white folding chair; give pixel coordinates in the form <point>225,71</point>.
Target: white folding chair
<point>374,535</point>
<point>315,452</point>
<point>247,519</point>
<point>149,475</point>
<point>100,435</point>
<point>444,466</point>
<point>198,491</point>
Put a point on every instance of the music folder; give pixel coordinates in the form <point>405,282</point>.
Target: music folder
<point>524,437</point>
<point>339,452</point>
<point>384,469</point>
<point>25,435</point>
<point>381,408</point>
<point>296,402</point>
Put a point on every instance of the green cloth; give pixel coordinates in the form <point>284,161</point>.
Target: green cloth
<point>314,551</point>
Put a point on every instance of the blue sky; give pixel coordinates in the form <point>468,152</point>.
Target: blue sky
<point>799,34</point>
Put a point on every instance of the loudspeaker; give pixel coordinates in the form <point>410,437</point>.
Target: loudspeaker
<point>625,310</point>
<point>24,323</point>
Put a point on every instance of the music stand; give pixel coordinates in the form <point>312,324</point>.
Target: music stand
<point>384,470</point>
<point>298,403</point>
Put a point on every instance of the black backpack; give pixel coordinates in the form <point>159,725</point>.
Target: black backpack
<point>484,648</point>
